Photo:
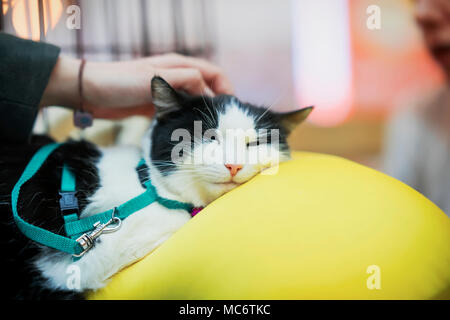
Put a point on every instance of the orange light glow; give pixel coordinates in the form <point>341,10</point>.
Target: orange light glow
<point>5,5</point>
<point>25,17</point>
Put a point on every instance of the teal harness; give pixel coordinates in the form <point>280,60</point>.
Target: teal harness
<point>80,233</point>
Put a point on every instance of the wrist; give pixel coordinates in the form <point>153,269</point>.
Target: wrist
<point>62,88</point>
<point>92,87</point>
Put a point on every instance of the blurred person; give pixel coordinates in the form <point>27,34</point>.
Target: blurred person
<point>34,75</point>
<point>418,137</point>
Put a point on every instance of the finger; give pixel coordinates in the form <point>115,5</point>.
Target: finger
<point>189,80</point>
<point>213,75</point>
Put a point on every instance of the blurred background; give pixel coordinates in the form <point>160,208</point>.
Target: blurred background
<point>279,53</point>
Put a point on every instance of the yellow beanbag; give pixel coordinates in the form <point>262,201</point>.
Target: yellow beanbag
<point>321,228</point>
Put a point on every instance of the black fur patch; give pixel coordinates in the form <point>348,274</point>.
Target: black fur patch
<point>39,205</point>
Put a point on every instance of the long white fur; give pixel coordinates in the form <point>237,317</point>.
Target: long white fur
<point>146,229</point>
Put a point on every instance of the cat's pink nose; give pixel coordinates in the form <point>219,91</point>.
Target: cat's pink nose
<point>234,168</point>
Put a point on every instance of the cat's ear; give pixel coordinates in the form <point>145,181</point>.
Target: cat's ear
<point>165,98</point>
<point>290,120</point>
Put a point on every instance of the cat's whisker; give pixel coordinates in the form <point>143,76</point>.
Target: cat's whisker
<point>212,116</point>
<point>208,120</point>
<point>271,105</point>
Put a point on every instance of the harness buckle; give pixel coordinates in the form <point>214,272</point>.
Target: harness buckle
<point>87,240</point>
<point>68,202</point>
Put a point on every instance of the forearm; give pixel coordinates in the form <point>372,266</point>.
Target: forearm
<point>104,84</point>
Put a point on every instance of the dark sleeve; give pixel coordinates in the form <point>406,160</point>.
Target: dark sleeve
<point>25,68</point>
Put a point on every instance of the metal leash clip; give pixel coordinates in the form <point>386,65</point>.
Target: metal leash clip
<point>87,240</point>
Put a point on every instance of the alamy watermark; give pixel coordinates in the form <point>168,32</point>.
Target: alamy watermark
<point>373,21</point>
<point>73,21</point>
<point>374,280</point>
<point>73,281</point>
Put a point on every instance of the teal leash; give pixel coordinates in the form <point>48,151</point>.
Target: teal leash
<point>81,233</point>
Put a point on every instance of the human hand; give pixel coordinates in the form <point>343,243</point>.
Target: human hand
<point>121,89</point>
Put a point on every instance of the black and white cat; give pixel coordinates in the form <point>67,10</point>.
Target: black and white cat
<point>107,177</point>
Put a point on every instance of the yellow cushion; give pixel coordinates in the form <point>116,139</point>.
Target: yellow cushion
<point>322,228</point>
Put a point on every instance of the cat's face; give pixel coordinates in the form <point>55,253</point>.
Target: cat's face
<point>203,147</point>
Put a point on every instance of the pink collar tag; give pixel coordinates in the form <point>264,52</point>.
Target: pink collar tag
<point>195,211</point>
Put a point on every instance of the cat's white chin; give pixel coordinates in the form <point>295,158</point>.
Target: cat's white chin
<point>220,188</point>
